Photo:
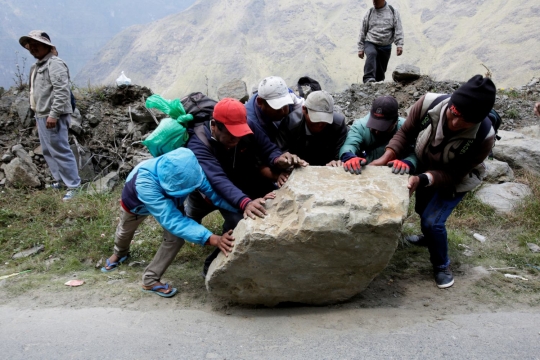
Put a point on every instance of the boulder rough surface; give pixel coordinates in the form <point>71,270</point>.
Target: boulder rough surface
<point>498,172</point>
<point>326,236</point>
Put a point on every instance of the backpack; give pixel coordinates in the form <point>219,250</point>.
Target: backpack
<point>495,121</point>
<point>309,85</point>
<point>198,105</point>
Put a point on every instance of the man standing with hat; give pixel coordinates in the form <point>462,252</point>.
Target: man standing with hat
<point>318,135</point>
<point>369,136</point>
<point>50,99</point>
<point>452,136</point>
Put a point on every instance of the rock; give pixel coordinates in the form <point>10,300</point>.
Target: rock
<point>326,236</point>
<point>51,261</point>
<point>76,123</point>
<point>21,107</point>
<point>498,172</point>
<point>83,157</point>
<point>22,174</point>
<point>93,120</point>
<point>7,157</point>
<point>29,252</point>
<point>104,184</point>
<point>502,197</point>
<point>518,150</point>
<point>136,263</point>
<point>38,150</point>
<point>406,73</point>
<point>139,114</point>
<point>530,131</point>
<point>235,89</point>
<point>533,247</point>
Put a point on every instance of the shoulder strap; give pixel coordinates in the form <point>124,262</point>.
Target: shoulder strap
<point>369,17</point>
<point>426,120</point>
<point>201,134</point>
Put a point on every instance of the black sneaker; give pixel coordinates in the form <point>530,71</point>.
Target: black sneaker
<point>418,240</point>
<point>444,278</point>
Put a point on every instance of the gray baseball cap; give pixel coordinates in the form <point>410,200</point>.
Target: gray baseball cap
<point>320,107</point>
<point>276,93</point>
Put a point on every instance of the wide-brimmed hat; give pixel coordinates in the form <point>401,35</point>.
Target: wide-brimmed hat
<point>37,35</point>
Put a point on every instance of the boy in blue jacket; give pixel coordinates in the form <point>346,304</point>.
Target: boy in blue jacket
<point>159,187</point>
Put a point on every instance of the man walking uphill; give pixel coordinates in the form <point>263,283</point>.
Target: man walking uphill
<point>50,98</point>
<point>381,27</point>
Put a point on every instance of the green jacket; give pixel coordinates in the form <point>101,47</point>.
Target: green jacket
<point>360,140</point>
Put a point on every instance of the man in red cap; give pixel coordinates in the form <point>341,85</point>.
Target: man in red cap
<point>232,157</point>
<point>452,136</point>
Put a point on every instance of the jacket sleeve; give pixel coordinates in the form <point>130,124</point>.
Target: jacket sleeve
<point>354,139</point>
<point>215,174</point>
<point>58,73</point>
<point>363,31</point>
<point>217,200</point>
<point>407,134</point>
<point>166,213</point>
<point>398,30</point>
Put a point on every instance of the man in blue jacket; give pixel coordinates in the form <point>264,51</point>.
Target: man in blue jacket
<point>241,165</point>
<point>159,187</point>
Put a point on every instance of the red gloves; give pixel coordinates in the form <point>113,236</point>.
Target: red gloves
<point>399,167</point>
<point>354,165</point>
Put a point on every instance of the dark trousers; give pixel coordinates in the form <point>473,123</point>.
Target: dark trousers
<point>434,208</point>
<point>197,208</point>
<point>377,58</point>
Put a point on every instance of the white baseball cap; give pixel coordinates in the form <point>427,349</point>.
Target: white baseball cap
<point>276,93</point>
<point>320,106</point>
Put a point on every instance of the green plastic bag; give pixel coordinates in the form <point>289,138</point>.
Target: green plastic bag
<point>171,132</point>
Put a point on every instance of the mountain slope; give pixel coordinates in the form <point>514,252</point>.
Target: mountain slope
<point>215,41</point>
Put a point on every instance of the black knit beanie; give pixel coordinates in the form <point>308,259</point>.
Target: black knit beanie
<point>475,98</point>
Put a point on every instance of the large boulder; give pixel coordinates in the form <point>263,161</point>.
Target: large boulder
<point>326,236</point>
<point>104,184</point>
<point>21,172</point>
<point>406,73</point>
<point>503,197</point>
<point>518,150</point>
<point>235,89</point>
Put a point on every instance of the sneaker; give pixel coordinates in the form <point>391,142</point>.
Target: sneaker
<point>370,80</point>
<point>418,240</point>
<point>444,278</point>
<point>57,186</point>
<point>70,194</point>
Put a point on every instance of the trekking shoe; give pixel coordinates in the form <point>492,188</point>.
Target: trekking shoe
<point>57,186</point>
<point>444,278</point>
<point>370,80</point>
<point>70,194</point>
<point>418,240</point>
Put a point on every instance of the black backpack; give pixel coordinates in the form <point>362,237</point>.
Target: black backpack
<point>198,105</point>
<point>307,81</point>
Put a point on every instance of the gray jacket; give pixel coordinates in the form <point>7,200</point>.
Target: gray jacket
<point>49,78</point>
<point>381,27</point>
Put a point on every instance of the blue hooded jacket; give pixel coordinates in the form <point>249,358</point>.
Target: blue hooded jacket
<point>159,187</point>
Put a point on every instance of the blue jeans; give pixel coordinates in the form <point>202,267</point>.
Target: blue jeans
<point>434,207</point>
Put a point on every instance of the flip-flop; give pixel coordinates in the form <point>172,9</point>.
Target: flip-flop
<point>114,264</point>
<point>155,289</point>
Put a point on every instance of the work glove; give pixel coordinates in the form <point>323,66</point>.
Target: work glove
<point>400,166</point>
<point>354,165</point>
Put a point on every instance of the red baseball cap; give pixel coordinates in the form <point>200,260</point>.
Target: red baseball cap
<point>232,113</point>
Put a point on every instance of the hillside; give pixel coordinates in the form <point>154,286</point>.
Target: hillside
<point>79,28</point>
<point>215,41</point>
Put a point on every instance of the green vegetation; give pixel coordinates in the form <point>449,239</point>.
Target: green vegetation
<point>512,93</point>
<point>512,113</point>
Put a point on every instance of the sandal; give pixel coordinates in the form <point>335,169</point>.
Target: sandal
<point>155,289</point>
<point>113,265</point>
